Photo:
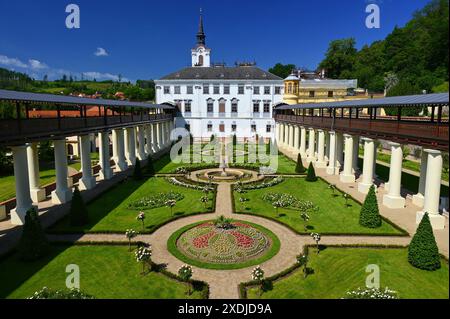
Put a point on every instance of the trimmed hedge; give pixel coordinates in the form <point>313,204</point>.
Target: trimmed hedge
<point>299,168</point>
<point>311,176</point>
<point>137,173</point>
<point>370,215</point>
<point>423,252</point>
<point>78,214</point>
<point>33,243</point>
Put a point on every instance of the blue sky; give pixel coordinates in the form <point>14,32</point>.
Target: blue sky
<point>146,39</point>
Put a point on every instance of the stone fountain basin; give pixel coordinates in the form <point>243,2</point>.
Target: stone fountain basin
<point>231,174</point>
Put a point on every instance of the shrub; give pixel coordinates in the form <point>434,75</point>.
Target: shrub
<point>33,243</point>
<point>137,173</point>
<point>311,176</point>
<point>370,215</point>
<point>423,252</point>
<point>47,293</point>
<point>234,139</point>
<point>371,293</point>
<point>150,167</point>
<point>299,168</point>
<point>78,211</point>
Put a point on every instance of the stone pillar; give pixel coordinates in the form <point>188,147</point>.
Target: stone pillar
<point>432,190</point>
<point>327,147</point>
<point>311,144</point>
<point>332,169</point>
<point>105,171</point>
<point>277,132</point>
<point>155,147</point>
<point>367,177</point>
<point>393,199</point>
<point>321,163</point>
<point>87,181</point>
<point>141,143</point>
<point>339,151</point>
<point>291,136</point>
<point>418,199</point>
<point>148,140</point>
<point>23,199</point>
<point>302,142</point>
<point>130,145</point>
<point>37,193</point>
<point>296,138</point>
<point>62,194</point>
<point>347,175</point>
<point>119,150</point>
<point>355,153</point>
<point>286,135</point>
<point>160,136</point>
<point>375,152</point>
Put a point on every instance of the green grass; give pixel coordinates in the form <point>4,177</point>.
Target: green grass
<point>110,212</point>
<point>105,272</point>
<point>333,217</point>
<point>338,270</point>
<point>164,165</point>
<point>172,248</point>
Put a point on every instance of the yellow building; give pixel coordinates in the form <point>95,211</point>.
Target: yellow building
<point>312,87</point>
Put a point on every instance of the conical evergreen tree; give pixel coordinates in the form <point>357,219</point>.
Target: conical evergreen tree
<point>299,168</point>
<point>311,176</point>
<point>150,167</point>
<point>370,215</point>
<point>423,252</point>
<point>137,173</point>
<point>78,211</point>
<point>33,243</point>
<point>234,139</point>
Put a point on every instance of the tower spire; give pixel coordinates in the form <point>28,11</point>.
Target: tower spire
<point>201,34</point>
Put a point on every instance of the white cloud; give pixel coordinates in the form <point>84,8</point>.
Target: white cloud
<point>37,65</point>
<point>101,52</point>
<point>12,62</point>
<point>105,76</point>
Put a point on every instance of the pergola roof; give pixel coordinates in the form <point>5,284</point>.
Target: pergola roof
<point>16,96</point>
<point>407,100</point>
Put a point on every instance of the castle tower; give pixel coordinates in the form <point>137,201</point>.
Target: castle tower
<point>291,87</point>
<point>200,53</point>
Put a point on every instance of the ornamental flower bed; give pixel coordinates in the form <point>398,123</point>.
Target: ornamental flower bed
<point>155,201</point>
<point>211,244</point>
<point>240,188</point>
<point>175,181</point>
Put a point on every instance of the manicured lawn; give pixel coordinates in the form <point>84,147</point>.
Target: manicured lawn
<point>338,270</point>
<point>164,165</point>
<point>110,212</point>
<point>333,216</point>
<point>105,272</point>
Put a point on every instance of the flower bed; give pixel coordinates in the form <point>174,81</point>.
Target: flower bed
<point>208,246</point>
<point>156,200</point>
<point>240,188</point>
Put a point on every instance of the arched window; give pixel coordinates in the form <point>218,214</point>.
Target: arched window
<point>200,60</point>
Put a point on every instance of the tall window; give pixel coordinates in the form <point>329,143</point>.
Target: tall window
<point>189,89</point>
<point>166,89</point>
<point>268,128</point>
<point>266,107</point>
<point>312,93</point>
<point>240,89</point>
<point>267,90</point>
<point>233,127</point>
<point>200,60</point>
<point>256,90</point>
<point>210,106</point>
<point>278,90</point>
<point>226,89</point>
<point>234,107</point>
<point>255,107</point>
<point>177,89</point>
<point>216,89</point>
<point>253,128</point>
<point>209,127</point>
<point>205,88</point>
<point>187,106</point>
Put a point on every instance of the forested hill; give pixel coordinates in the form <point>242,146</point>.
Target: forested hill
<point>143,90</point>
<point>409,60</point>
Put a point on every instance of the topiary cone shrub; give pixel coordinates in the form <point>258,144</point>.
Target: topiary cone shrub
<point>33,243</point>
<point>370,215</point>
<point>423,252</point>
<point>150,167</point>
<point>311,176</point>
<point>78,211</point>
<point>299,168</point>
<point>137,173</point>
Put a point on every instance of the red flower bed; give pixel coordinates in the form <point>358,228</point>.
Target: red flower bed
<point>202,241</point>
<point>242,240</point>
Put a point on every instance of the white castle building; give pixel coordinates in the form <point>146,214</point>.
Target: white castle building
<point>220,100</point>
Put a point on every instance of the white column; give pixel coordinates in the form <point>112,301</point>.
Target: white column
<point>332,169</point>
<point>277,132</point>
<point>119,150</point>
<point>148,140</point>
<point>286,135</point>
<point>311,146</point>
<point>23,199</point>
<point>87,181</point>
<point>321,163</point>
<point>130,145</point>
<point>418,199</point>
<point>355,153</point>
<point>339,151</point>
<point>141,142</point>
<point>367,176</point>
<point>155,147</point>
<point>327,146</point>
<point>347,175</point>
<point>291,136</point>
<point>433,190</point>
<point>296,138</point>
<point>302,142</point>
<point>105,171</point>
<point>160,136</point>
<point>37,193</point>
<point>393,199</point>
<point>375,152</point>
<point>62,194</point>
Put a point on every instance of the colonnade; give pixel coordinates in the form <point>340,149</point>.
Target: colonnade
<point>338,153</point>
<point>128,144</point>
